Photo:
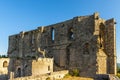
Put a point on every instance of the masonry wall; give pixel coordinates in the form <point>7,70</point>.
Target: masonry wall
<point>101,59</point>
<point>4,62</point>
<point>78,43</point>
<point>111,45</point>
<point>52,76</point>
<point>42,66</point>
<point>4,65</point>
<point>20,67</point>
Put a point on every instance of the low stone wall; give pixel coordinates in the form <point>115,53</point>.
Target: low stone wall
<point>106,77</point>
<point>59,74</point>
<point>42,66</point>
<point>4,77</point>
<point>51,76</point>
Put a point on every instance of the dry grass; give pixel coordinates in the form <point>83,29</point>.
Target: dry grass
<point>118,74</point>
<point>76,78</point>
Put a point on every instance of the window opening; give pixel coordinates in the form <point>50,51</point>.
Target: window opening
<point>53,34</point>
<point>71,35</point>
<point>48,68</point>
<point>19,72</point>
<point>101,35</point>
<point>5,64</point>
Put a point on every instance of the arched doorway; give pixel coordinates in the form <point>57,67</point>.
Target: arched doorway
<point>5,64</point>
<point>19,72</point>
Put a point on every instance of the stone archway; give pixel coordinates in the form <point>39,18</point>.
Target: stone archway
<point>5,64</point>
<point>19,72</point>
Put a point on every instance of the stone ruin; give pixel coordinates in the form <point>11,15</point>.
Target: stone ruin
<point>85,43</point>
<point>4,62</point>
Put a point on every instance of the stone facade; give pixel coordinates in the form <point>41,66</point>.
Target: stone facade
<point>52,76</point>
<point>29,66</point>
<point>86,43</point>
<point>42,66</point>
<point>4,62</point>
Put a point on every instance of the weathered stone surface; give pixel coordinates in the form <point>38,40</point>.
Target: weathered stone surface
<point>86,43</point>
<point>42,66</point>
<point>4,62</point>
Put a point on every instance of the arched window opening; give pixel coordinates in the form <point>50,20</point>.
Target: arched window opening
<point>26,66</point>
<point>5,64</point>
<point>70,33</point>
<point>62,25</point>
<point>101,35</point>
<point>19,72</point>
<point>86,48</point>
<point>53,34</point>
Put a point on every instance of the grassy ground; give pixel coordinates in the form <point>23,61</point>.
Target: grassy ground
<point>77,78</point>
<point>118,74</point>
<point>69,77</point>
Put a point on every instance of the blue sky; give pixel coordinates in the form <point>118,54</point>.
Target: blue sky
<point>24,15</point>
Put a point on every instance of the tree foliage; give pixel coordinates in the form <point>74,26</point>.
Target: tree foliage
<point>118,71</point>
<point>118,68</point>
<point>3,56</point>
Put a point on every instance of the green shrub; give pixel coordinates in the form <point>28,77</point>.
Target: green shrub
<point>118,74</point>
<point>48,78</point>
<point>67,75</point>
<point>118,70</point>
<point>75,72</point>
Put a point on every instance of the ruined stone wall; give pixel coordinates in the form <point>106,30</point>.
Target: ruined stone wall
<point>29,66</point>
<point>20,67</point>
<point>4,62</point>
<point>111,45</point>
<point>106,55</point>
<point>42,66</point>
<point>53,76</point>
<point>76,43</point>
<point>101,55</point>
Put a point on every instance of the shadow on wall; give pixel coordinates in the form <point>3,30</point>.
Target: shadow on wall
<point>3,77</point>
<point>20,67</point>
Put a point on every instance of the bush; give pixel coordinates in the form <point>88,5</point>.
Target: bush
<point>118,74</point>
<point>75,72</point>
<point>48,78</point>
<point>118,70</point>
<point>67,75</point>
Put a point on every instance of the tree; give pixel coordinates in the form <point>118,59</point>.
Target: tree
<point>3,56</point>
<point>118,70</point>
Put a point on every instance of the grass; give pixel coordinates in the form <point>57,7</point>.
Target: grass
<point>76,78</point>
<point>118,74</point>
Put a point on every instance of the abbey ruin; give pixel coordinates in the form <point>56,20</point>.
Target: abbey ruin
<point>85,43</point>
